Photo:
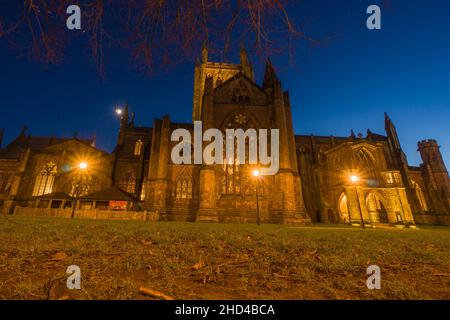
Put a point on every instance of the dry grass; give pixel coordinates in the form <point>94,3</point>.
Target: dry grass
<point>218,261</point>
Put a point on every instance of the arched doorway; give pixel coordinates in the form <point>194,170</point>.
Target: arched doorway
<point>376,208</point>
<point>343,208</point>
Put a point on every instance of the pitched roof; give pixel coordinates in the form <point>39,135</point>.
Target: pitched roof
<point>110,194</point>
<point>22,142</point>
<point>56,196</point>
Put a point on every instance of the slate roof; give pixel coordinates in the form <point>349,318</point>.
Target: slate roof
<point>22,142</point>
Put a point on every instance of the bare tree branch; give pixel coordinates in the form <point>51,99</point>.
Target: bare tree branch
<point>163,31</point>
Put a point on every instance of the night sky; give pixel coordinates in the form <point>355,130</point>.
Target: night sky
<point>346,83</point>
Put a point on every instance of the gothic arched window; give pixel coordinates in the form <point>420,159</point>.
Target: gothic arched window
<point>366,163</point>
<point>138,147</point>
<point>420,196</point>
<point>241,95</point>
<point>183,188</point>
<point>45,179</point>
<point>230,179</point>
<point>129,182</point>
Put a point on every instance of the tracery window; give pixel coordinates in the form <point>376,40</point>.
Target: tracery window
<point>230,178</point>
<point>138,147</point>
<point>129,182</point>
<point>80,187</point>
<point>390,178</point>
<point>183,188</point>
<point>240,95</point>
<point>366,163</point>
<point>45,179</point>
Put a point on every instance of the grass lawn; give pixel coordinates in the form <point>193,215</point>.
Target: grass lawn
<point>218,261</point>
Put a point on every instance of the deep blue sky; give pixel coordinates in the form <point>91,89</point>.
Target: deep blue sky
<point>346,83</point>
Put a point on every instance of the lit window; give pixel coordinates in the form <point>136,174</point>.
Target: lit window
<point>138,147</point>
<point>129,182</point>
<point>45,179</point>
<point>390,178</point>
<point>142,197</point>
<point>230,180</point>
<point>183,189</point>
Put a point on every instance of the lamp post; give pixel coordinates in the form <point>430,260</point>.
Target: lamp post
<point>354,179</point>
<point>256,174</point>
<point>82,166</point>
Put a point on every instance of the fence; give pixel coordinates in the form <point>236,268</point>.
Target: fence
<point>87,214</point>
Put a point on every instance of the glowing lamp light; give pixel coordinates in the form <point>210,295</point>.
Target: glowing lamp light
<point>354,179</point>
<point>82,165</point>
<point>119,111</point>
<point>256,173</point>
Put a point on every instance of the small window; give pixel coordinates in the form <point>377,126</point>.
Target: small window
<point>390,178</point>
<point>138,147</point>
<point>142,197</point>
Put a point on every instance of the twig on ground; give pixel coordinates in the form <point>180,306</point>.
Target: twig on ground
<point>155,294</point>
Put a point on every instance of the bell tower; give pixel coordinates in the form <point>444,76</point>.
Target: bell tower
<point>220,72</point>
<point>436,175</point>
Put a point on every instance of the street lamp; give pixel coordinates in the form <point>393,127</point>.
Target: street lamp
<point>355,179</point>
<point>82,166</point>
<point>119,111</point>
<point>256,175</point>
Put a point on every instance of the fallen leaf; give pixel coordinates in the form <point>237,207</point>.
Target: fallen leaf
<point>154,293</point>
<point>198,265</point>
<point>59,256</point>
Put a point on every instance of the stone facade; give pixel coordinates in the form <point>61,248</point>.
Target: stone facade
<point>313,184</point>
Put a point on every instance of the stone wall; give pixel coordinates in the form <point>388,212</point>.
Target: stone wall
<point>87,214</point>
<point>433,219</point>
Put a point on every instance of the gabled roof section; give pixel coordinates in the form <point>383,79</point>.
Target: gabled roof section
<point>236,77</point>
<point>83,143</point>
<point>240,86</point>
<point>357,144</point>
<point>375,136</point>
<point>23,142</point>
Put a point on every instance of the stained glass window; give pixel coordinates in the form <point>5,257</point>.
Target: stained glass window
<point>138,147</point>
<point>45,179</point>
<point>183,188</point>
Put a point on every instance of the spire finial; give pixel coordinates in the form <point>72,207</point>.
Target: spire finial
<point>204,52</point>
<point>269,74</point>
<point>125,116</point>
<point>24,130</point>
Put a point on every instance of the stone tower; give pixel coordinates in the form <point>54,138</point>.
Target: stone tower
<point>220,72</point>
<point>435,175</point>
<point>230,98</point>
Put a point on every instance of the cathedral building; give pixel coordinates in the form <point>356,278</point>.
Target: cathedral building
<point>320,179</point>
